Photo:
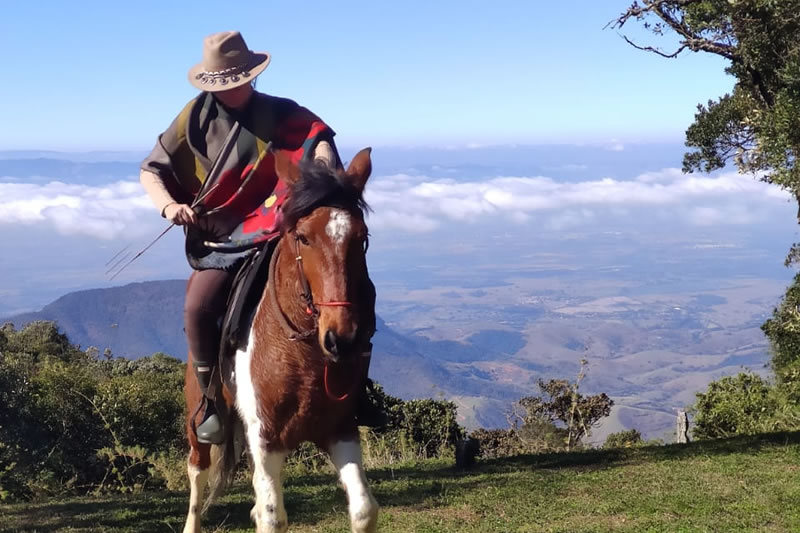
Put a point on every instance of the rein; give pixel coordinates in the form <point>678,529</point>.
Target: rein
<point>292,333</point>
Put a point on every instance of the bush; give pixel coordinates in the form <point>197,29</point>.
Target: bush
<point>143,404</point>
<point>69,420</point>
<point>541,435</point>
<point>624,439</point>
<point>734,405</point>
<point>417,429</point>
<point>496,443</point>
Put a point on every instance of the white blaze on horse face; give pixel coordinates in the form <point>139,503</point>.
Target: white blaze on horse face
<point>346,457</point>
<point>338,227</point>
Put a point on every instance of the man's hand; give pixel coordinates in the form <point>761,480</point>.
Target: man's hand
<point>180,214</point>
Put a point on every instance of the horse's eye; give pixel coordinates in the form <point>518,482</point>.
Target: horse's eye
<point>302,238</point>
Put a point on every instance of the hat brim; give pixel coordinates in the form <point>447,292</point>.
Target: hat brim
<point>258,62</point>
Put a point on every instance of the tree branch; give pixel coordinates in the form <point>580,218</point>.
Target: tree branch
<point>693,41</point>
<point>655,50</point>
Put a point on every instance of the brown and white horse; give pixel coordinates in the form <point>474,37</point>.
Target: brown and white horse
<point>306,353</point>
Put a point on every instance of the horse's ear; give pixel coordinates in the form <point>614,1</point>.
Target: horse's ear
<point>285,169</point>
<point>360,168</point>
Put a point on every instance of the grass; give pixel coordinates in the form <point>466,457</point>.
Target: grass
<point>741,484</point>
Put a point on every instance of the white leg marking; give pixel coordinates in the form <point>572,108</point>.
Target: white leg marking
<point>197,483</point>
<point>268,512</point>
<point>346,457</point>
<point>246,401</point>
<point>338,226</point>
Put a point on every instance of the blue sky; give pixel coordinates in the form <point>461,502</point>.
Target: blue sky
<point>111,75</point>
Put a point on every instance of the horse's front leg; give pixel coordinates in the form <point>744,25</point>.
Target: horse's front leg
<point>197,467</point>
<point>346,457</point>
<point>268,513</point>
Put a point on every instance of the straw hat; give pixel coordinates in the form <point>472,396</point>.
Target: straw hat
<point>227,63</point>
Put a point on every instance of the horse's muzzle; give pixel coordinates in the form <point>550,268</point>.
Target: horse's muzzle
<point>336,346</point>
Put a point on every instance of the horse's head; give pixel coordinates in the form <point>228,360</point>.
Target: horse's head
<point>323,222</point>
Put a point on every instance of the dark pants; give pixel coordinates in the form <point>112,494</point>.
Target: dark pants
<point>206,300</point>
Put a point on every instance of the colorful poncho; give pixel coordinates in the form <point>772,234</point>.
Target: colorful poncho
<point>246,196</point>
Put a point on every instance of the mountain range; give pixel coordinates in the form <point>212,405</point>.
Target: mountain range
<point>140,319</point>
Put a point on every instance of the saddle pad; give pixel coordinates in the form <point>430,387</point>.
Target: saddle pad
<point>246,291</point>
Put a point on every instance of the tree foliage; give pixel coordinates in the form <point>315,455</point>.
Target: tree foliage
<point>783,331</point>
<point>555,420</point>
<point>559,402</point>
<point>757,125</point>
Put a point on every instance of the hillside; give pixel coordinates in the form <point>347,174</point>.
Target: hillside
<point>139,319</point>
<point>133,320</point>
<point>742,484</point>
<point>485,348</point>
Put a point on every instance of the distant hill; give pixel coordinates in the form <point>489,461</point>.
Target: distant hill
<point>133,320</point>
<point>87,172</point>
<point>140,319</point>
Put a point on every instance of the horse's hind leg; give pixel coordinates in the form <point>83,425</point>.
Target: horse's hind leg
<point>197,467</point>
<point>346,457</point>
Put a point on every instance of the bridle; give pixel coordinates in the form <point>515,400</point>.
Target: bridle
<point>294,334</point>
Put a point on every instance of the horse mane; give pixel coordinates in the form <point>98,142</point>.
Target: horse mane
<point>319,186</point>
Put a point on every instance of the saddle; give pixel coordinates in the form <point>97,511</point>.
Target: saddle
<point>246,291</point>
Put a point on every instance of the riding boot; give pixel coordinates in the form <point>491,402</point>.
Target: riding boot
<point>210,429</point>
<point>369,406</point>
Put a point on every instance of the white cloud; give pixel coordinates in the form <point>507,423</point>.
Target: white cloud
<point>723,199</point>
<point>103,212</point>
<point>419,204</point>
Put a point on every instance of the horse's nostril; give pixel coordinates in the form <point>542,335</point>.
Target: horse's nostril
<point>330,342</point>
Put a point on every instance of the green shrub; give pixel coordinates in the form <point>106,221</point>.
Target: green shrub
<point>68,419</point>
<point>541,435</point>
<point>734,405</point>
<point>145,407</point>
<point>417,428</point>
<point>40,339</point>
<point>624,439</point>
<point>496,443</point>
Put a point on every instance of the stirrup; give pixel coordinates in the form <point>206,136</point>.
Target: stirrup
<point>210,430</point>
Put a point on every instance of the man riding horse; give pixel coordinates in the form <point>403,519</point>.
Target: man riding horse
<point>206,173</point>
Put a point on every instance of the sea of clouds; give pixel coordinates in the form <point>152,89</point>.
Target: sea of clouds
<point>419,204</point>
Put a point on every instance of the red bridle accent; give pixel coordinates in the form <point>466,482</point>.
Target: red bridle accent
<point>310,311</point>
<point>328,392</point>
<point>346,395</point>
